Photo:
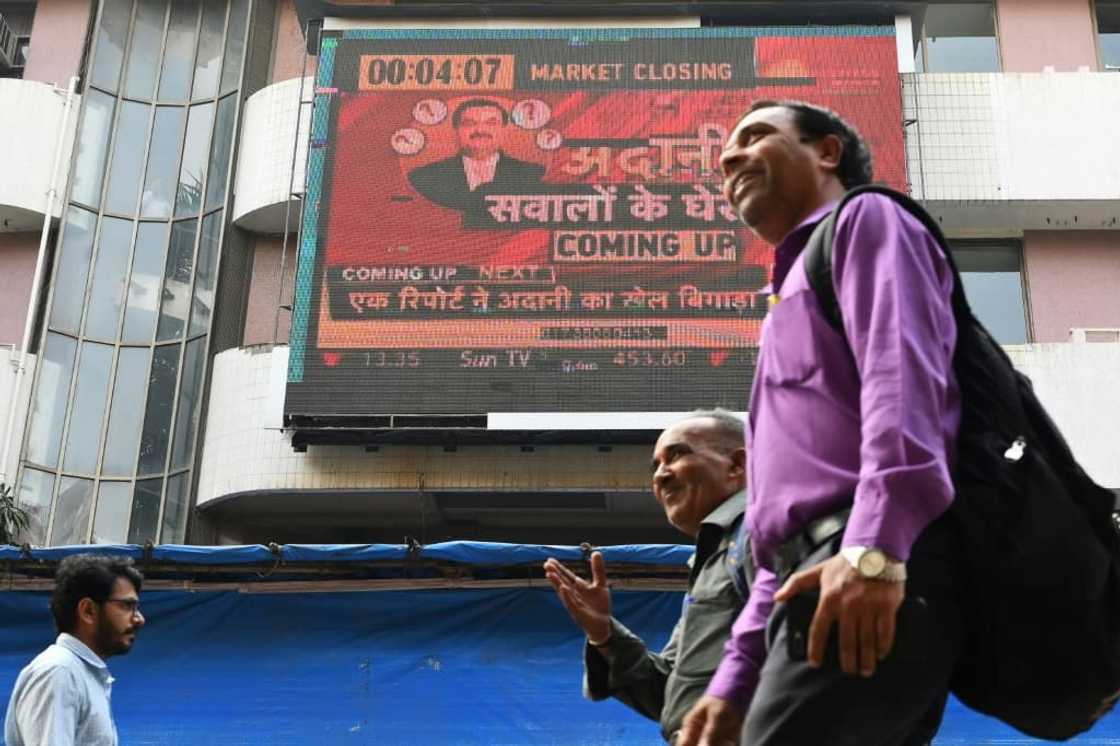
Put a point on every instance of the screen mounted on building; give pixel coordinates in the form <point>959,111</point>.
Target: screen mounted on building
<point>531,221</point>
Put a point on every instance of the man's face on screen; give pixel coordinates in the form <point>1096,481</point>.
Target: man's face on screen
<point>481,131</point>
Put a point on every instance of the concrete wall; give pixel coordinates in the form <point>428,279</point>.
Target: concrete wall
<point>1035,34</point>
<point>18,252</point>
<point>57,38</point>
<point>260,312</point>
<point>983,150</point>
<point>245,449</point>
<point>31,115</point>
<point>1077,384</point>
<point>1073,280</point>
<point>265,178</point>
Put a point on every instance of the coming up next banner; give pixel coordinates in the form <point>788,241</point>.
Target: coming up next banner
<point>532,221</point>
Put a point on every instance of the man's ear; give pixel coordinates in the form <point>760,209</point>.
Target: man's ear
<point>830,150</point>
<point>739,462</point>
<point>87,611</point>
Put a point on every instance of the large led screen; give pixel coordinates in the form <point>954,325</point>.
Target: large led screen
<point>531,221</point>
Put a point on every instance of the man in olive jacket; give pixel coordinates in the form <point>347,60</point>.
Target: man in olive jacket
<point>699,480</point>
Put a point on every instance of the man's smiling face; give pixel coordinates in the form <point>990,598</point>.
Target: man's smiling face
<point>694,471</point>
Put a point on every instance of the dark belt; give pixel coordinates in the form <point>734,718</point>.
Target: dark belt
<point>806,541</point>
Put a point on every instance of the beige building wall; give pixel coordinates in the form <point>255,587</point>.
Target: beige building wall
<point>260,311</point>
<point>1073,280</point>
<point>288,46</point>
<point>1036,34</point>
<point>58,36</point>
<point>18,252</point>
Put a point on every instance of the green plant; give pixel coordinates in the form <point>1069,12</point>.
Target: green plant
<point>13,519</point>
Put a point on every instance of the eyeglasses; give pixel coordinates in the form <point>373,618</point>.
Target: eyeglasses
<point>131,604</point>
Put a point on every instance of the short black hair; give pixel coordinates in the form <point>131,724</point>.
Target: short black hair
<point>728,429</point>
<point>815,122</point>
<point>87,576</point>
<point>477,103</point>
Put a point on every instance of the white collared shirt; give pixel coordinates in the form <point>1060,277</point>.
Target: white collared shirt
<point>479,172</point>
<point>62,698</point>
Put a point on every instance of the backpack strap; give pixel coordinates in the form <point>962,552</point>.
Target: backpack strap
<point>817,255</point>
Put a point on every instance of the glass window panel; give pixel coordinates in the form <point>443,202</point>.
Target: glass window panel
<point>48,409</point>
<point>128,158</point>
<point>203,305</point>
<point>177,281</point>
<point>993,284</point>
<point>235,45</point>
<point>35,498</point>
<point>178,55</point>
<point>147,35</point>
<point>157,414</point>
<point>220,151</point>
<point>163,162</point>
<point>72,270</point>
<point>188,199</point>
<point>125,417</point>
<point>92,147</point>
<point>145,283</point>
<point>112,34</point>
<point>1110,51</point>
<point>186,419</point>
<point>1108,26</point>
<point>90,392</point>
<point>103,311</point>
<point>110,519</point>
<point>961,37</point>
<point>175,510</point>
<point>208,69</point>
<point>962,54</point>
<point>145,511</point>
<point>71,512</point>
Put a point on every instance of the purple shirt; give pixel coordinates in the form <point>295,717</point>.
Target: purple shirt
<point>876,420</point>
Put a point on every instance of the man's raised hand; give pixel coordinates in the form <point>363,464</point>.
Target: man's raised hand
<point>588,602</point>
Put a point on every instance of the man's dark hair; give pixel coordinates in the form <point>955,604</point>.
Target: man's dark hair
<point>728,429</point>
<point>815,122</point>
<point>477,103</point>
<point>87,576</point>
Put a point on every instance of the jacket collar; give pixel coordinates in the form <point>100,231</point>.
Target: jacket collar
<point>728,511</point>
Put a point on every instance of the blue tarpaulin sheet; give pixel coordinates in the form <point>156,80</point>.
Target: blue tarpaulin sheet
<point>467,552</point>
<point>416,667</point>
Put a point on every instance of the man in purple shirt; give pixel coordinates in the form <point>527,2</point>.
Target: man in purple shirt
<point>862,421</point>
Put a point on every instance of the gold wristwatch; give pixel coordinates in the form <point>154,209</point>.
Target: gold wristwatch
<point>874,564</point>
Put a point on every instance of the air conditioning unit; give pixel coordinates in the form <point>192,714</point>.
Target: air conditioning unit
<point>9,45</point>
<point>1083,334</point>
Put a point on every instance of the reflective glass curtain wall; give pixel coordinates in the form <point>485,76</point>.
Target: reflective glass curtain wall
<point>117,399</point>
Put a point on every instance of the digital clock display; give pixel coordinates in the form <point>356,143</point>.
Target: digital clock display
<point>410,72</point>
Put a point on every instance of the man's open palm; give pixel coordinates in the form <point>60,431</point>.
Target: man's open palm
<point>588,602</point>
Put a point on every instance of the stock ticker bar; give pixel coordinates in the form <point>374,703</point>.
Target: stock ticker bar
<point>528,221</point>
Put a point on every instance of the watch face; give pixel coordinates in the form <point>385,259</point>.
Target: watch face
<point>872,563</point>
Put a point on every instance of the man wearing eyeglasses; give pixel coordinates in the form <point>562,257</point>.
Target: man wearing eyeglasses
<point>62,696</point>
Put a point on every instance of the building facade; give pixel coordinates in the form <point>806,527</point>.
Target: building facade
<point>153,180</point>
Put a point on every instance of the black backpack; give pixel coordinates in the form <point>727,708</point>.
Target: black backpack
<point>1041,540</point>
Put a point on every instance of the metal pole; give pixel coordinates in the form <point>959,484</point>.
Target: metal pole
<point>20,361</point>
<point>288,204</point>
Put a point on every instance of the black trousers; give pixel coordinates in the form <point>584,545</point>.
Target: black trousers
<point>902,704</point>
